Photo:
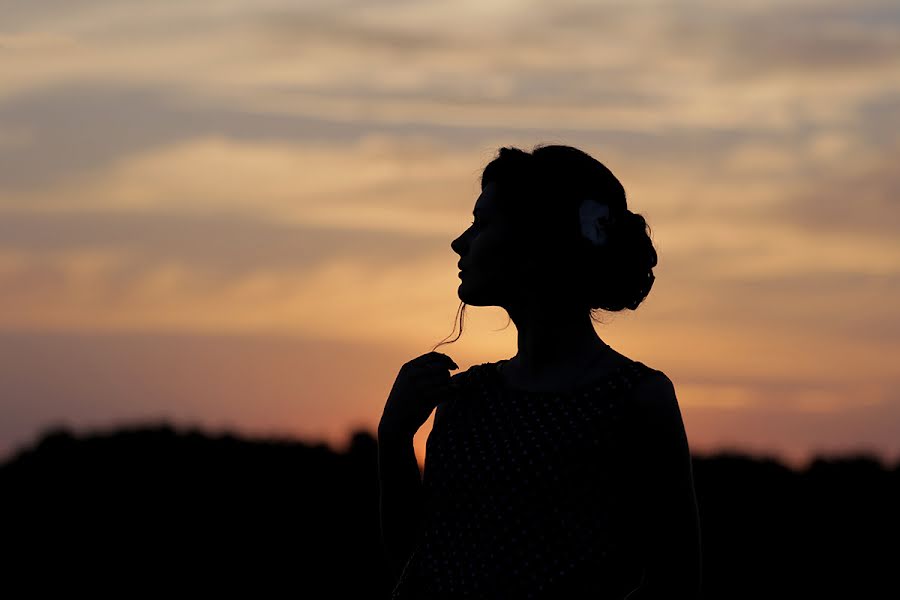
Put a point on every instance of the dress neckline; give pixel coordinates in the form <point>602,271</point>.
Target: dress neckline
<point>607,381</point>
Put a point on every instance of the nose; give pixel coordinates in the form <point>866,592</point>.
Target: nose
<point>457,245</point>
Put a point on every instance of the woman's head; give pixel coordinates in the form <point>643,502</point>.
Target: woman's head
<point>526,243</point>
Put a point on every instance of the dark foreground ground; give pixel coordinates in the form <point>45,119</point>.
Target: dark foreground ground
<point>165,511</point>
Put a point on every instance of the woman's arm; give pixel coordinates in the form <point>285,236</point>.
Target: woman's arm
<point>400,496</point>
<point>667,515</point>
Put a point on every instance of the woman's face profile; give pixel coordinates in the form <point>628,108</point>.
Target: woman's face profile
<point>487,253</point>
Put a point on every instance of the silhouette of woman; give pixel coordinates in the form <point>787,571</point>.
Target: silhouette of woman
<point>565,471</point>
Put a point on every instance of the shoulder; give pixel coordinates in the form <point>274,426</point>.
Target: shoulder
<point>460,384</point>
<point>654,404</point>
<point>465,378</point>
<point>652,390</point>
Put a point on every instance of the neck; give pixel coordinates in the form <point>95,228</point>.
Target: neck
<point>551,340</point>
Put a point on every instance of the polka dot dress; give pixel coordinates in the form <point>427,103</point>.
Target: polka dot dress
<point>526,493</point>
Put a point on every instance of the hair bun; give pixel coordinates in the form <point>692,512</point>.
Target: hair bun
<point>626,275</point>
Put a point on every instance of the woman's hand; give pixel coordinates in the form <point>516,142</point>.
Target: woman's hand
<point>422,383</point>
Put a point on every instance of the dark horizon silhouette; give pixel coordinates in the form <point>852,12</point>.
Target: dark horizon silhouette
<point>161,507</point>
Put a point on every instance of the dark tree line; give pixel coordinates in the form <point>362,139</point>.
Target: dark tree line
<point>156,509</point>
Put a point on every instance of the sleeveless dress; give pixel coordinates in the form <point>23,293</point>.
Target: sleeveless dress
<point>526,493</point>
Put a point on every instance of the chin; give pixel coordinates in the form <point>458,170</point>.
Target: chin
<point>472,292</point>
<point>465,295</point>
<point>474,299</point>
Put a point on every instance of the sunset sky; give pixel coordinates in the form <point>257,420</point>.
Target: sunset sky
<point>238,214</point>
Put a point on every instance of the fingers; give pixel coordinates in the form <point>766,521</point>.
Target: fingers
<point>430,372</point>
<point>453,365</point>
<point>431,360</point>
<point>441,359</point>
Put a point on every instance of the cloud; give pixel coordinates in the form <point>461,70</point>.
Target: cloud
<point>61,132</point>
<point>89,82</point>
<point>219,244</point>
<point>65,130</point>
<point>109,291</point>
<point>852,198</point>
<point>380,183</point>
<point>595,66</point>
